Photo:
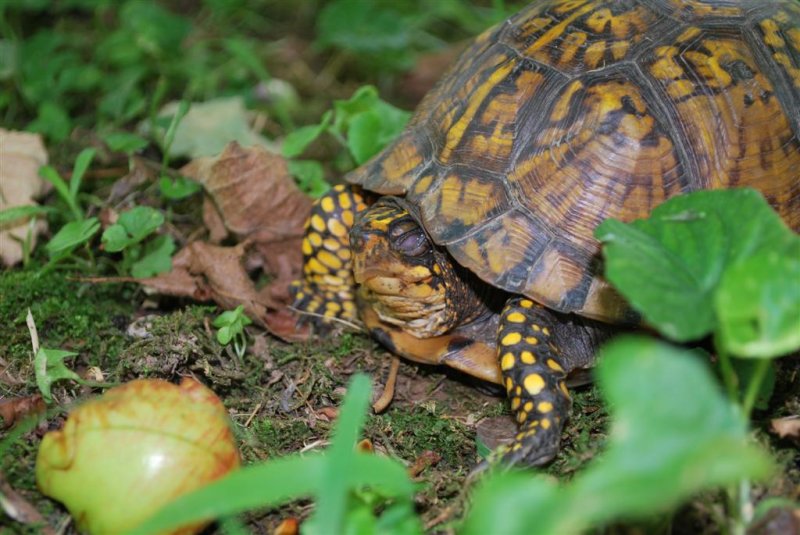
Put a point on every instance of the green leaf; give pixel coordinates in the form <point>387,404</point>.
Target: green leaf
<point>244,51</point>
<point>132,227</point>
<point>125,142</point>
<point>310,177</point>
<point>224,335</point>
<point>330,510</point>
<point>82,163</point>
<point>50,367</point>
<point>745,371</point>
<point>230,324</point>
<point>71,235</point>
<point>156,258</point>
<point>52,121</point>
<point>758,306</point>
<point>16,213</point>
<point>669,266</point>
<point>298,140</point>
<point>673,434</point>
<point>177,188</point>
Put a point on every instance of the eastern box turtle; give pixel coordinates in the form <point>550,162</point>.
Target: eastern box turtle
<point>476,250</point>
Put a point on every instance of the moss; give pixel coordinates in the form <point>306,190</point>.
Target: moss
<point>77,316</point>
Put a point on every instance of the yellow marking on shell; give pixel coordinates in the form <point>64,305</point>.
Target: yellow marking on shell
<point>527,357</point>
<point>509,384</point>
<point>563,386</point>
<point>511,338</point>
<point>516,317</point>
<point>456,132</point>
<point>423,184</point>
<point>553,365</point>
<point>528,406</point>
<point>526,303</point>
<point>466,201</point>
<point>522,416</point>
<point>545,423</point>
<point>507,362</point>
<point>679,89</point>
<point>544,407</point>
<point>558,30</point>
<point>317,223</point>
<point>515,403</point>
<point>532,340</point>
<point>329,259</point>
<point>534,384</point>
<point>688,34</point>
<point>562,106</point>
<point>327,204</point>
<point>594,53</point>
<point>337,228</point>
<point>344,201</point>
<point>307,249</point>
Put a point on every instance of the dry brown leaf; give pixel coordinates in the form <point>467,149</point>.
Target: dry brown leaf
<point>21,510</point>
<point>16,409</point>
<point>788,427</point>
<point>210,272</point>
<point>21,156</point>
<point>250,192</point>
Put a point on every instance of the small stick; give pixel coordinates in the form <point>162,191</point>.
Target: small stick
<point>388,390</point>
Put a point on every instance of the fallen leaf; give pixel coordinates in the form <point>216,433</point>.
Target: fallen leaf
<point>21,156</point>
<point>788,427</point>
<point>252,194</point>
<point>16,409</point>
<point>427,459</point>
<point>211,272</point>
<point>496,431</point>
<point>209,126</point>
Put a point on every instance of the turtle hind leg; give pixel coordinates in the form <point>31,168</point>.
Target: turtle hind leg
<point>326,293</point>
<point>534,378</point>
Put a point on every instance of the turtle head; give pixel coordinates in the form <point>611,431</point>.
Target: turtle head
<point>401,273</point>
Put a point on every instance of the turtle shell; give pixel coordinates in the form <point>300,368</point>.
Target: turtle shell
<point>574,111</point>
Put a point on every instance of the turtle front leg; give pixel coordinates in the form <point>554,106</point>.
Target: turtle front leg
<point>327,291</point>
<point>534,377</point>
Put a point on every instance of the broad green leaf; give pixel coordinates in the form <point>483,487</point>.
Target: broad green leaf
<point>309,176</point>
<point>244,51</point>
<point>156,258</point>
<point>71,235</point>
<point>125,142</point>
<point>298,140</point>
<point>49,368</point>
<point>745,371</point>
<point>669,266</point>
<point>132,227</point>
<point>52,121</point>
<point>673,434</point>
<point>758,306</point>
<point>177,188</point>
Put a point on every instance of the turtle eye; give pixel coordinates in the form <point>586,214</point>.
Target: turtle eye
<point>414,243</point>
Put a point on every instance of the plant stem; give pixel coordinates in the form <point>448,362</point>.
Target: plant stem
<point>749,401</point>
<point>729,377</point>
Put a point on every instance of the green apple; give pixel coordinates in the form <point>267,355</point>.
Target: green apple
<point>122,456</point>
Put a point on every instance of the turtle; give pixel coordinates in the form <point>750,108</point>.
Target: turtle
<point>468,241</point>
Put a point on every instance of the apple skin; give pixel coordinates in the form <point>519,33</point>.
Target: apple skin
<point>121,457</point>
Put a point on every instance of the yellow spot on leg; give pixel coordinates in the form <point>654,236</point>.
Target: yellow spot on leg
<point>545,407</point>
<point>507,362</point>
<point>526,303</point>
<point>516,317</point>
<point>327,205</point>
<point>317,223</point>
<point>527,357</point>
<point>515,403</point>
<point>511,338</point>
<point>528,406</point>
<point>509,384</point>
<point>553,365</point>
<point>534,384</point>
<point>545,423</point>
<point>522,416</point>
